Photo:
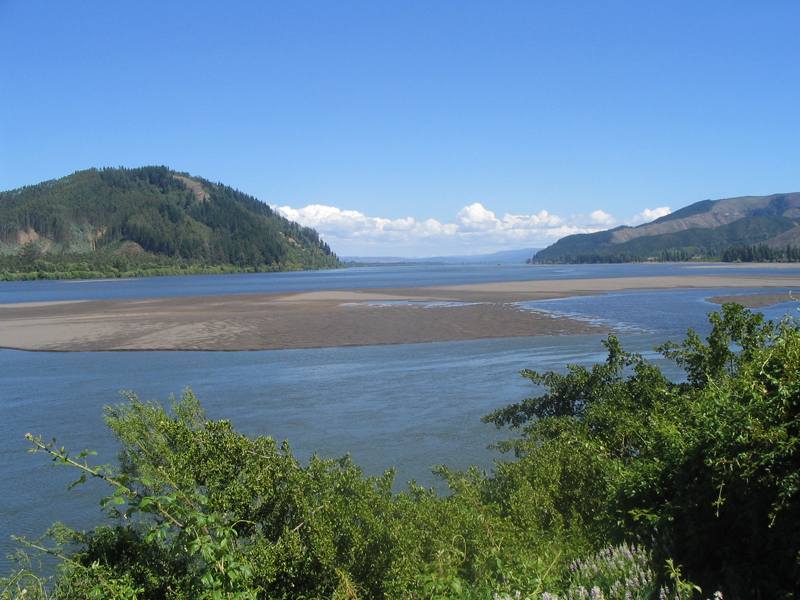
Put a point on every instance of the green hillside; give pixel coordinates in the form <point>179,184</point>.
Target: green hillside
<point>697,208</point>
<point>150,220</point>
<point>702,231</point>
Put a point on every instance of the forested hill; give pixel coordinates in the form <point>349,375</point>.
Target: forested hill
<point>150,220</point>
<point>745,228</point>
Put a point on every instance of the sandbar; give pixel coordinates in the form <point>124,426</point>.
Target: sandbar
<point>760,300</point>
<point>329,318</point>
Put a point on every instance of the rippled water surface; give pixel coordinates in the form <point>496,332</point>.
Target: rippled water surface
<point>408,406</point>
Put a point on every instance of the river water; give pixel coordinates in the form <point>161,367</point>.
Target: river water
<point>406,406</point>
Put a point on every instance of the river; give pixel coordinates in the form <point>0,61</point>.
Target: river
<point>407,406</point>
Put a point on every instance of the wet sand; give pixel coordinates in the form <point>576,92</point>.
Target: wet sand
<point>756,301</point>
<point>325,318</point>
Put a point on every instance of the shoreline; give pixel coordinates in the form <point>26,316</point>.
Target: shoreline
<point>337,318</point>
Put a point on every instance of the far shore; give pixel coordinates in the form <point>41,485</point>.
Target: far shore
<point>337,318</point>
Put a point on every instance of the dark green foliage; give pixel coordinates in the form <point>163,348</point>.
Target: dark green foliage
<point>574,245</point>
<point>707,468</point>
<point>690,244</point>
<point>731,496</point>
<point>743,231</point>
<point>300,525</point>
<point>149,567</point>
<point>777,206</point>
<point>685,254</point>
<point>87,223</point>
<point>761,253</point>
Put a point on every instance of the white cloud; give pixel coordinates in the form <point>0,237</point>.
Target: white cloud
<point>474,230</point>
<point>600,217</point>
<point>476,218</point>
<point>648,215</point>
<point>543,219</point>
<point>330,218</point>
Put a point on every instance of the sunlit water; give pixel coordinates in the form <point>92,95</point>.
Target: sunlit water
<point>407,406</point>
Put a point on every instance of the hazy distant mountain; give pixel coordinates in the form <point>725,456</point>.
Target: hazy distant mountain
<point>117,220</point>
<point>504,257</point>
<point>704,229</point>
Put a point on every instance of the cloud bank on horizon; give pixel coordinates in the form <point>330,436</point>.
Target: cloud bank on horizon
<point>474,230</point>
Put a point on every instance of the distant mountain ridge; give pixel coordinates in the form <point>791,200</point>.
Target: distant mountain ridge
<point>503,257</point>
<point>121,220</point>
<point>705,228</point>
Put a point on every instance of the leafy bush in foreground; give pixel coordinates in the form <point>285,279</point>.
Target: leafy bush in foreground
<point>623,484</point>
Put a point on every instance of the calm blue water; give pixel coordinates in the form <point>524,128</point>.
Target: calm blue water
<point>407,407</point>
<point>353,278</point>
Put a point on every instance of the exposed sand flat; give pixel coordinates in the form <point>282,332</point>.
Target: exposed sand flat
<point>738,266</point>
<point>30,304</point>
<point>264,322</point>
<point>757,300</point>
<point>324,318</point>
<point>570,287</point>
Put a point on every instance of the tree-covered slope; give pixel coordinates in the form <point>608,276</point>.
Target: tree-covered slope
<point>125,218</point>
<point>704,229</point>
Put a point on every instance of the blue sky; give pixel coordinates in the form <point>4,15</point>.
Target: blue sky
<point>414,128</point>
